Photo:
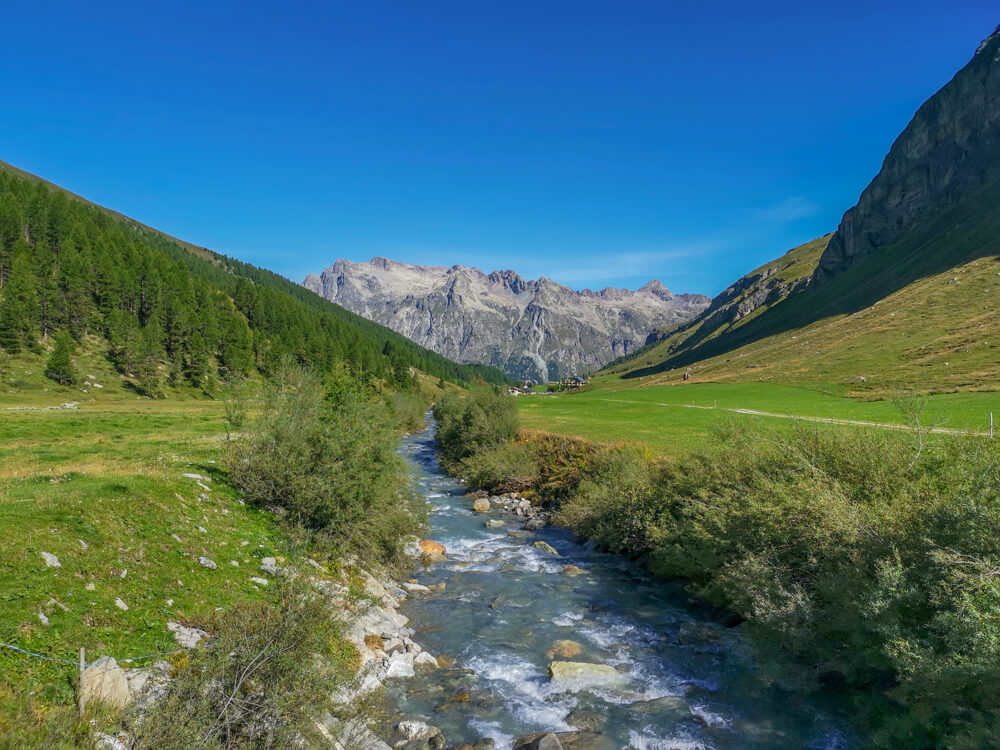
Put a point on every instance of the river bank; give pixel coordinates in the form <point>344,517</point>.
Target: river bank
<point>536,632</point>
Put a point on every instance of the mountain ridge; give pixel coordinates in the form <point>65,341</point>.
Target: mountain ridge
<point>533,329</point>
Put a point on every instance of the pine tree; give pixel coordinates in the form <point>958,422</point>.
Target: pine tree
<point>19,308</point>
<point>60,365</point>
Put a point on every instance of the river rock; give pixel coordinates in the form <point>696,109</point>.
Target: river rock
<point>423,659</point>
<point>696,634</point>
<point>669,706</point>
<point>418,735</point>
<point>496,523</point>
<point>429,547</point>
<point>544,741</point>
<point>591,721</point>
<point>105,682</point>
<point>546,547</point>
<point>416,588</point>
<point>575,675</point>
<point>564,649</point>
<point>582,740</point>
<point>572,570</point>
<point>399,664</point>
<point>536,522</point>
<point>481,505</point>
<point>518,534</point>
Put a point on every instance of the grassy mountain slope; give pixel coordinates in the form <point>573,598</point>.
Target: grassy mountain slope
<point>69,238</point>
<point>902,294</point>
<point>939,329</point>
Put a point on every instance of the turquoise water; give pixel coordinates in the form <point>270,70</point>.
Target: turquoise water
<point>506,603</point>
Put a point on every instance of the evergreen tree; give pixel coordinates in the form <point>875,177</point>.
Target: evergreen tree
<point>60,365</point>
<point>19,308</point>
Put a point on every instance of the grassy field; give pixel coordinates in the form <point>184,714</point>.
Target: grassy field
<point>662,417</point>
<point>101,486</point>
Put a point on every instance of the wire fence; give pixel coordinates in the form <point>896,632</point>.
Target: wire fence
<point>76,663</point>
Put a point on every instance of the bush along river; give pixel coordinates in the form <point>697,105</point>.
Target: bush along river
<point>599,653</point>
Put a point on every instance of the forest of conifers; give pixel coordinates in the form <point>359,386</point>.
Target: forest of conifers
<point>166,313</point>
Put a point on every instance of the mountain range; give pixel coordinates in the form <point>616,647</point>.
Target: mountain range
<point>532,330</point>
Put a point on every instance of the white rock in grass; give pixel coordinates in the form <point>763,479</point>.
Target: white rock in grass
<point>207,563</point>
<point>41,616</point>
<point>186,637</point>
<point>259,581</point>
<point>105,682</point>
<point>51,561</point>
<point>121,605</point>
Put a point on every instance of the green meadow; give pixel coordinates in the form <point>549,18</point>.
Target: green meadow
<point>678,419</point>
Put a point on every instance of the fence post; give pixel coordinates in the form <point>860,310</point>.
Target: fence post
<point>83,664</point>
<point>991,424</point>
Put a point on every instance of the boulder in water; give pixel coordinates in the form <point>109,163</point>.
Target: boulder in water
<point>546,547</point>
<point>572,570</point>
<point>429,547</point>
<point>564,649</point>
<point>481,505</point>
<point>576,675</point>
<point>544,741</point>
<point>669,706</point>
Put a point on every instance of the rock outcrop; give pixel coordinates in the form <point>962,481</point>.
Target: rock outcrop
<point>950,149</point>
<point>532,330</point>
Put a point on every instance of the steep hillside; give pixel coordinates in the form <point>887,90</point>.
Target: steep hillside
<point>168,311</point>
<point>533,330</point>
<point>904,293</point>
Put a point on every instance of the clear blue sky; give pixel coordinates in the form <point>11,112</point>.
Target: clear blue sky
<point>597,143</point>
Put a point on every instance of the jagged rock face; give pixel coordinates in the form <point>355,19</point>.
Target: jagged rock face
<point>949,150</point>
<point>533,330</point>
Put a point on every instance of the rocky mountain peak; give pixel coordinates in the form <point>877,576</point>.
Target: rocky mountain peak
<point>949,150</point>
<point>534,330</point>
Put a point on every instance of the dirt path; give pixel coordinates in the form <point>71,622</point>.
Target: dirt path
<point>822,420</point>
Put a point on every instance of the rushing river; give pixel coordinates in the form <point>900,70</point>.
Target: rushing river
<point>506,603</point>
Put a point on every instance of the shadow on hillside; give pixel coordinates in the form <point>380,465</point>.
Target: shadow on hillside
<point>959,235</point>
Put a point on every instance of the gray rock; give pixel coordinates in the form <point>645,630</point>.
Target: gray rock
<point>495,523</point>
<point>186,636</point>
<point>576,675</point>
<point>51,561</point>
<point>546,741</point>
<point>105,682</point>
<point>948,151</point>
<point>207,563</point>
<point>536,522</point>
<point>537,330</point>
<point>270,565</point>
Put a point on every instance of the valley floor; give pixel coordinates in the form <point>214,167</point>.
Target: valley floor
<point>616,411</point>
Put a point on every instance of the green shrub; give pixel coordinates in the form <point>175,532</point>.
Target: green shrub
<point>508,467</point>
<point>409,410</point>
<point>468,423</point>
<point>325,454</point>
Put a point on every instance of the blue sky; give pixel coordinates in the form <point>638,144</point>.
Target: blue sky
<point>596,143</point>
